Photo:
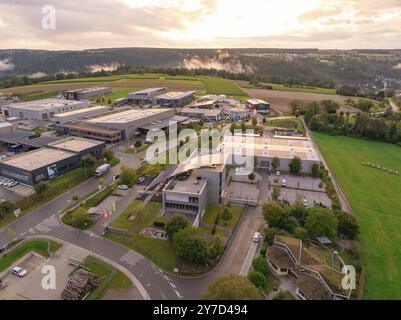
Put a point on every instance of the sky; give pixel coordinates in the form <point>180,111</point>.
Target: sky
<point>77,24</point>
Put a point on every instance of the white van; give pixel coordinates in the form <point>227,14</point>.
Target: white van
<point>256,237</point>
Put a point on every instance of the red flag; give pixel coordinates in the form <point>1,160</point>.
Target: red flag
<point>105,215</point>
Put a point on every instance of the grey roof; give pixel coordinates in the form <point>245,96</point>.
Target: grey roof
<point>15,137</point>
<point>161,124</point>
<point>26,138</point>
<point>148,90</point>
<point>38,142</point>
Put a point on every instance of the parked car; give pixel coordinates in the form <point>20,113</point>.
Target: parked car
<point>140,180</point>
<point>12,184</point>
<point>284,183</point>
<point>123,187</point>
<point>256,237</point>
<point>305,203</point>
<point>277,173</point>
<point>19,272</point>
<point>3,157</point>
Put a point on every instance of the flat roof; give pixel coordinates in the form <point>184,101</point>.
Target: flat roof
<point>44,104</point>
<point>161,124</point>
<point>206,112</point>
<point>270,147</point>
<point>79,111</point>
<point>75,144</point>
<point>6,124</point>
<point>87,90</point>
<point>15,137</point>
<point>190,185</point>
<point>126,116</point>
<point>84,125</point>
<point>256,101</point>
<point>37,159</point>
<point>175,95</point>
<point>148,90</point>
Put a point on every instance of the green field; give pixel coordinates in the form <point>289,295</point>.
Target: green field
<point>38,246</point>
<point>281,87</point>
<point>222,86</point>
<point>292,123</point>
<point>375,198</point>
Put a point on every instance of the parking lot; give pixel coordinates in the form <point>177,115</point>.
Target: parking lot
<point>298,188</point>
<point>14,192</point>
<point>30,286</point>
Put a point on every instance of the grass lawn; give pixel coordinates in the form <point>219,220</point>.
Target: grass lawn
<point>57,187</point>
<point>295,124</point>
<point>40,95</point>
<point>271,282</point>
<point>219,233</point>
<point>110,277</point>
<point>39,246</point>
<point>374,196</point>
<point>161,252</point>
<point>305,89</point>
<point>212,212</point>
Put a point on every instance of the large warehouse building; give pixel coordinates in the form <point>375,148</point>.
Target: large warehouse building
<point>79,114</point>
<point>175,99</point>
<point>42,109</point>
<point>259,106</point>
<point>49,162</point>
<point>266,149</point>
<point>119,125</point>
<point>87,93</point>
<point>145,96</point>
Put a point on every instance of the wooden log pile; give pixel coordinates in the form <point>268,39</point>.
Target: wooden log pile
<point>79,285</point>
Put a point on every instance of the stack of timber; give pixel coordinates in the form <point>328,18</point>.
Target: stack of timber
<point>79,285</point>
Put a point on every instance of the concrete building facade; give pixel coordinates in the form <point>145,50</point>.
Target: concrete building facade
<point>79,114</point>
<point>87,93</point>
<point>175,99</point>
<point>42,109</point>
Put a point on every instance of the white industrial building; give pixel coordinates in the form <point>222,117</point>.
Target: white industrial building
<point>42,109</point>
<point>8,128</point>
<point>145,96</point>
<point>79,114</point>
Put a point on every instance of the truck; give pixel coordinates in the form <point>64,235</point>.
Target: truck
<point>103,169</point>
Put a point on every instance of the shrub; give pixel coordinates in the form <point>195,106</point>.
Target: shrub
<point>138,144</point>
<point>6,207</point>
<point>41,187</point>
<point>260,264</point>
<point>226,215</point>
<point>190,246</point>
<point>75,197</point>
<point>295,165</point>
<point>175,224</point>
<point>300,233</point>
<point>321,222</point>
<point>258,279</point>
<point>159,224</point>
<point>108,154</point>
<point>80,218</point>
<point>270,233</point>
<point>263,249</point>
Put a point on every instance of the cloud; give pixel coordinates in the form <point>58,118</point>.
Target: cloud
<point>6,65</point>
<point>202,23</point>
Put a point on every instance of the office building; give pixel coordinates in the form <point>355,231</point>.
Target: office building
<point>145,96</point>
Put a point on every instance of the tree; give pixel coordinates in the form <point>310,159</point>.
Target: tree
<point>295,106</point>
<point>295,165</point>
<point>175,224</point>
<point>275,163</point>
<point>6,207</point>
<point>347,225</point>
<point>108,154</point>
<point>264,120</point>
<point>315,170</point>
<point>41,187</point>
<point>276,193</point>
<point>330,106</point>
<point>258,279</point>
<point>270,233</point>
<point>274,214</point>
<point>260,264</point>
<point>88,161</point>
<point>300,233</point>
<point>232,287</point>
<point>127,176</point>
<point>254,121</point>
<point>251,176</point>
<point>321,222</point>
<point>226,214</point>
<point>216,249</point>
<point>138,144</point>
<point>190,246</point>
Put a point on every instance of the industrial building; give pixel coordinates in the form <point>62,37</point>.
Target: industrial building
<point>203,114</point>
<point>51,161</point>
<point>236,114</point>
<point>259,106</point>
<point>195,186</point>
<point>145,96</point>
<point>175,99</point>
<point>87,93</point>
<point>119,125</point>
<point>265,149</point>
<point>42,109</point>
<point>8,128</point>
<point>79,114</point>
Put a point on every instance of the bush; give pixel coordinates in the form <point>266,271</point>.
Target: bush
<point>108,154</point>
<point>6,207</point>
<point>315,170</point>
<point>300,233</point>
<point>275,215</point>
<point>226,215</point>
<point>216,249</point>
<point>138,144</point>
<point>258,279</point>
<point>260,265</point>
<point>41,187</point>
<point>263,249</point>
<point>321,222</point>
<point>80,218</point>
<point>75,197</point>
<point>159,224</point>
<point>251,176</point>
<point>295,165</point>
<point>347,225</point>
<point>270,233</point>
<point>175,224</point>
<point>127,176</point>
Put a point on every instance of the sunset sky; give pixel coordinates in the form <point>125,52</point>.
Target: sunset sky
<point>342,24</point>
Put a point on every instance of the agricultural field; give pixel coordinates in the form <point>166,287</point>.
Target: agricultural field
<point>124,84</point>
<point>280,100</point>
<point>290,123</point>
<point>374,196</point>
